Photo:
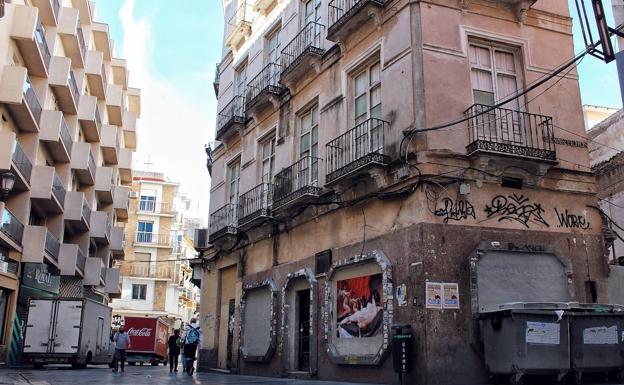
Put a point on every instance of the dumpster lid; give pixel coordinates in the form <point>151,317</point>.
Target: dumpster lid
<point>597,307</point>
<point>531,306</point>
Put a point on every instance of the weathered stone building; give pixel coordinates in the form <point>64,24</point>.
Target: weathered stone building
<point>328,224</point>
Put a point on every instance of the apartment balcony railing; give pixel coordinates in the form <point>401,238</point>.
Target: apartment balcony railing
<point>86,211</point>
<point>81,40</point>
<point>81,260</point>
<point>56,5</point>
<point>21,161</point>
<point>347,15</point>
<point>510,132</point>
<point>265,84</point>
<point>32,100</point>
<point>11,226</point>
<point>98,117</point>
<point>73,86</point>
<point>357,149</point>
<point>255,204</point>
<point>215,83</point>
<point>297,183</point>
<point>239,25</point>
<point>58,190</point>
<point>224,221</point>
<point>91,163</point>
<point>300,53</point>
<point>146,269</point>
<point>156,207</point>
<point>230,117</point>
<point>43,44</point>
<point>65,136</point>
<point>104,76</point>
<point>153,239</point>
<point>52,245</point>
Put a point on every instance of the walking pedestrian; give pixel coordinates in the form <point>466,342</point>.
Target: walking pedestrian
<point>122,342</point>
<point>193,337</point>
<point>174,351</point>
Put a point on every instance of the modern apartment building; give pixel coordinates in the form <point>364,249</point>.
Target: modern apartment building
<point>155,272</point>
<point>343,201</point>
<point>67,135</point>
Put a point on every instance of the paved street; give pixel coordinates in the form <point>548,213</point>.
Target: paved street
<point>138,375</point>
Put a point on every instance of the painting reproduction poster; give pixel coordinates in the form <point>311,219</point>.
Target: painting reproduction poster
<point>358,307</point>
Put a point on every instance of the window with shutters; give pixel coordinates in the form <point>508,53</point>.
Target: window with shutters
<point>272,46</point>
<point>367,93</point>
<point>233,177</point>
<point>494,73</point>
<point>308,139</point>
<point>267,153</point>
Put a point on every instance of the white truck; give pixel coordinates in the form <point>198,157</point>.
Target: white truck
<point>72,331</point>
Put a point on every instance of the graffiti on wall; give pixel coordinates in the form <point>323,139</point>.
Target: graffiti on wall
<point>572,221</point>
<point>517,208</point>
<point>455,210</point>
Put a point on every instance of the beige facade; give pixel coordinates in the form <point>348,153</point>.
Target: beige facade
<point>316,180</point>
<point>155,272</point>
<point>64,99</point>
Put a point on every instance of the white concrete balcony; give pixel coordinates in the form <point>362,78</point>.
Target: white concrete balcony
<point>48,10</point>
<point>118,241</point>
<point>83,163</point>
<point>112,284</point>
<point>41,244</point>
<point>238,27</point>
<point>101,38</point>
<point>17,92</point>
<point>125,164</point>
<point>93,271</point>
<point>110,143</point>
<point>115,104</point>
<point>121,202</point>
<point>71,260</point>
<point>104,183</point>
<point>29,36</point>
<point>133,96</point>
<point>64,85</point>
<point>129,129</point>
<point>100,225</point>
<point>77,214</point>
<point>120,72</point>
<point>95,73</point>
<point>47,191</point>
<point>90,118</point>
<point>72,38</point>
<point>55,135</point>
<point>13,158</point>
<point>264,6</point>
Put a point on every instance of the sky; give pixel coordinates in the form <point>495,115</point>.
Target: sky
<point>172,48</point>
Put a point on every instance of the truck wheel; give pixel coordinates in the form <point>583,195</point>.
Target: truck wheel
<point>154,363</point>
<point>38,365</point>
<point>165,363</point>
<point>78,366</point>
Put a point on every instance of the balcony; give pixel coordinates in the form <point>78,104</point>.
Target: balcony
<point>156,208</point>
<point>101,38</point>
<point>118,241</point>
<point>346,16</point>
<point>114,104</point>
<point>223,222</point>
<point>510,133</point>
<point>70,256</point>
<point>90,118</point>
<point>47,191</point>
<point>134,100</point>
<point>55,134</point>
<point>70,32</point>
<point>112,285</point>
<point>29,36</point>
<point>13,158</point>
<point>303,54</point>
<point>41,244</point>
<point>77,214</point>
<point>109,144</point>
<point>264,90</point>
<point>215,82</point>
<point>81,261</point>
<point>104,182</point>
<point>142,238</point>
<point>263,7</point>
<point>100,227</point>
<point>49,10</point>
<point>125,165</point>
<point>129,129</point>
<point>120,72</point>
<point>356,151</point>
<point>231,118</point>
<point>255,206</point>
<point>239,26</point>
<point>16,90</point>
<point>94,71</point>
<point>159,270</point>
<point>121,202</point>
<point>297,184</point>
<point>63,83</point>
<point>83,163</point>
<point>11,228</point>
<point>93,271</point>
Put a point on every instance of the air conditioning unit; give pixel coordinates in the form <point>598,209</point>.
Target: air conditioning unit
<point>201,239</point>
<point>134,194</point>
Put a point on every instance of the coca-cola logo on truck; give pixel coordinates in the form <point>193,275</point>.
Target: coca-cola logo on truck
<point>143,332</point>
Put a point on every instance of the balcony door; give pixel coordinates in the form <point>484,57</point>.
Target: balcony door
<point>147,201</point>
<point>233,178</point>
<point>495,75</point>
<point>312,13</point>
<point>307,174</point>
<point>145,231</point>
<point>368,135</point>
<point>268,164</point>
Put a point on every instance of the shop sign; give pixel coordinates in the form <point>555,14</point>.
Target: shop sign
<point>38,276</point>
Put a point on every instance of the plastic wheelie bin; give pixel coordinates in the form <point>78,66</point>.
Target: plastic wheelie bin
<point>596,343</point>
<point>526,338</point>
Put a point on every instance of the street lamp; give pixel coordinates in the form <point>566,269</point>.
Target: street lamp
<point>6,184</point>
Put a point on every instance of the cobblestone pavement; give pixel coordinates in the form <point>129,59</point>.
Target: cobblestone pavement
<point>137,375</point>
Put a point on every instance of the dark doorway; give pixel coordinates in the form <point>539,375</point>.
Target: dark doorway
<point>303,336</point>
<point>230,332</point>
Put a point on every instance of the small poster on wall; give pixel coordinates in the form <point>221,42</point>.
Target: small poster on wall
<point>442,295</point>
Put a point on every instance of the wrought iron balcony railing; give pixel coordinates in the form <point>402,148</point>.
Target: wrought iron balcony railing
<point>65,136</point>
<point>153,238</point>
<point>510,132</point>
<point>43,44</point>
<point>232,113</point>
<point>340,11</point>
<point>52,245</point>
<point>21,161</point>
<point>297,181</point>
<point>11,226</point>
<point>32,100</point>
<point>255,203</point>
<point>58,190</point>
<point>223,221</point>
<point>156,207</point>
<point>309,39</point>
<point>267,81</point>
<point>361,146</point>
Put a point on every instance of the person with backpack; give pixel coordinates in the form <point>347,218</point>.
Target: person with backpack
<point>174,351</point>
<point>193,337</point>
